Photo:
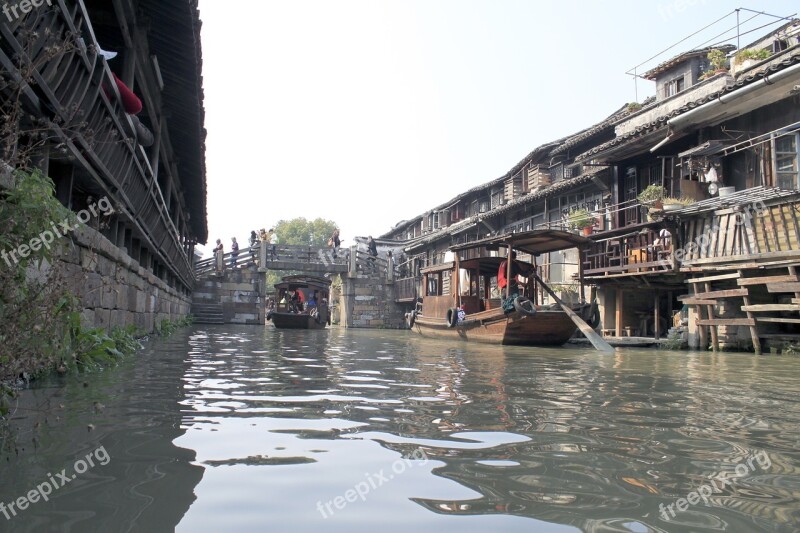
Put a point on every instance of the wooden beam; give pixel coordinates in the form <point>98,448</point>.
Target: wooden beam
<point>766,279</point>
<point>698,301</point>
<point>620,297</point>
<point>771,307</point>
<point>729,322</point>
<point>729,293</point>
<point>737,258</point>
<point>779,320</point>
<point>712,278</point>
<point>783,287</point>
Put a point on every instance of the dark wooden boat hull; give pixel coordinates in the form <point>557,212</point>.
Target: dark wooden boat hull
<point>546,328</point>
<point>296,321</point>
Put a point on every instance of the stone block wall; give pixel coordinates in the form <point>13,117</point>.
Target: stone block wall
<point>113,289</point>
<point>238,290</point>
<point>367,301</point>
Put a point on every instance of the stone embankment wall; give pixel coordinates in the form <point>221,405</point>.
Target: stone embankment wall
<point>114,290</point>
<point>367,301</point>
<point>239,293</point>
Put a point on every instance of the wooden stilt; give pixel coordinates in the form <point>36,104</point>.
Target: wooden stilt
<point>656,317</point>
<point>620,298</point>
<point>713,328</point>
<point>701,329</point>
<point>754,326</point>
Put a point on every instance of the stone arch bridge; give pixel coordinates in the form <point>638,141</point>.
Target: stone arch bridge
<point>233,289</point>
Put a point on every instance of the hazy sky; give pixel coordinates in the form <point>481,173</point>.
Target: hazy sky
<point>368,112</point>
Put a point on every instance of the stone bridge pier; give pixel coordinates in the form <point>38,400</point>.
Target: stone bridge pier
<point>368,295</point>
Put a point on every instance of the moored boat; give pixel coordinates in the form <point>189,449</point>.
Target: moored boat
<point>302,303</point>
<point>461,298</point>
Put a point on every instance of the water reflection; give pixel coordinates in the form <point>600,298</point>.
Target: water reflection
<point>133,412</point>
<point>327,430</point>
<point>574,438</point>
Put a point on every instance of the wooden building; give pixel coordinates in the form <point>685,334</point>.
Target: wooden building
<point>726,141</point>
<point>149,164</point>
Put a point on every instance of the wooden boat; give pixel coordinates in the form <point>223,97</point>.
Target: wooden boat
<point>469,281</point>
<point>312,313</point>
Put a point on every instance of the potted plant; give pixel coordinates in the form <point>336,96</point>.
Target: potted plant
<point>581,219</point>
<point>748,57</point>
<point>718,63</point>
<point>633,107</point>
<point>673,204</point>
<point>652,196</point>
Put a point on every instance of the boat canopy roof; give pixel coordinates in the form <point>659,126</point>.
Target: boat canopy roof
<point>537,241</point>
<point>303,282</point>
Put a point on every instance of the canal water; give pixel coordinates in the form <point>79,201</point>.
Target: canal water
<point>233,428</point>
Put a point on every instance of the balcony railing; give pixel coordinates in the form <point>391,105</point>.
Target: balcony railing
<point>66,90</point>
<point>638,252</point>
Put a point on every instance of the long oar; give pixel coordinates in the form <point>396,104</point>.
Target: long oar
<point>596,340</point>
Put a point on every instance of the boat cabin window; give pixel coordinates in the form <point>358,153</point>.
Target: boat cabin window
<point>434,285</point>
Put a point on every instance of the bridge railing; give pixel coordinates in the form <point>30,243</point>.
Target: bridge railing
<point>284,253</point>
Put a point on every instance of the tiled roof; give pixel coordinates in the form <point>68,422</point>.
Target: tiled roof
<point>517,202</point>
<point>668,64</point>
<point>661,121</point>
<point>579,137</point>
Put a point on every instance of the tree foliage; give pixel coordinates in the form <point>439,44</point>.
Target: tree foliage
<point>302,232</point>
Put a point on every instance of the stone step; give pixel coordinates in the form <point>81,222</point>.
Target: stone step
<point>202,320</point>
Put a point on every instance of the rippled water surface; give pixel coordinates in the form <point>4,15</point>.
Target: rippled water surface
<point>227,428</point>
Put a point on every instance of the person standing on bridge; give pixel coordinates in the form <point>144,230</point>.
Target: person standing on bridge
<point>253,241</point>
<point>335,241</point>
<point>372,248</point>
<point>234,251</point>
<point>273,240</point>
<point>219,252</point>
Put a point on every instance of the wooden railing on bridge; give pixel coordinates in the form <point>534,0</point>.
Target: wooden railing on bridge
<point>66,89</point>
<point>348,260</point>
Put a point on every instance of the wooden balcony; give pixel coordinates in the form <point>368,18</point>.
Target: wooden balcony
<point>753,226</point>
<point>629,252</point>
<point>65,92</point>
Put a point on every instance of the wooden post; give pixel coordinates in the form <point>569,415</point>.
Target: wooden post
<point>509,259</point>
<point>657,317</point>
<point>580,274</point>
<point>754,327</point>
<point>669,309</point>
<point>714,329</point>
<point>455,286</point>
<point>620,299</point>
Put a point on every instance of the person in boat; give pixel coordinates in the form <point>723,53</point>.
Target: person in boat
<point>517,268</point>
